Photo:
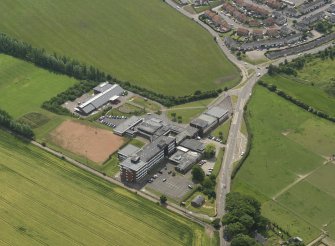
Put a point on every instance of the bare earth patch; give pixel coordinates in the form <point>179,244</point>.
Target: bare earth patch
<point>94,143</point>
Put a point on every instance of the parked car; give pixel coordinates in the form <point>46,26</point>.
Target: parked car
<point>190,186</point>
<point>164,180</point>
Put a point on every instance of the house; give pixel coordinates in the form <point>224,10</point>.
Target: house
<point>209,14</point>
<point>274,4</point>
<point>272,32</point>
<point>198,201</point>
<point>291,12</point>
<point>257,33</point>
<point>308,7</point>
<point>254,23</point>
<point>242,32</point>
<point>104,94</point>
<point>269,21</point>
<point>285,31</point>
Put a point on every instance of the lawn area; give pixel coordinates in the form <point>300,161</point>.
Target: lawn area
<point>24,87</point>
<point>173,56</point>
<point>314,96</point>
<point>188,111</point>
<point>224,129</point>
<point>146,103</point>
<point>47,201</point>
<point>218,162</point>
<point>289,143</point>
<point>208,207</point>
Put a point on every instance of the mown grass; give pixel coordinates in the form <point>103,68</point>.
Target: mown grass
<point>314,96</point>
<point>218,162</point>
<point>224,129</point>
<point>188,111</point>
<point>46,201</point>
<point>287,144</point>
<point>24,87</point>
<point>145,41</point>
<point>207,208</point>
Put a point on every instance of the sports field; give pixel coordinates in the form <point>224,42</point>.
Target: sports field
<point>288,168</point>
<point>142,41</point>
<point>91,142</point>
<point>24,87</point>
<point>45,201</point>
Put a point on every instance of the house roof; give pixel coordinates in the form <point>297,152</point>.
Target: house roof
<point>199,200</point>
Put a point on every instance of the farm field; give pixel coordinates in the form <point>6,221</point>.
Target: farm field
<point>287,168</point>
<point>174,52</point>
<point>24,87</point>
<point>314,96</point>
<point>46,201</point>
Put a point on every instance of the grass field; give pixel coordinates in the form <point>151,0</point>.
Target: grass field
<point>224,128</point>
<point>286,168</point>
<point>189,111</point>
<point>207,208</point>
<point>125,39</point>
<point>314,96</point>
<point>24,87</point>
<point>47,201</point>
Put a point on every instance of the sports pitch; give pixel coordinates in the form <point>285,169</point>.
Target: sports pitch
<point>91,142</point>
<point>45,200</point>
<point>288,168</point>
<point>143,41</point>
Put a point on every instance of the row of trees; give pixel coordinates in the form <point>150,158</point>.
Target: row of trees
<point>21,129</point>
<point>290,68</point>
<point>297,102</point>
<point>81,71</point>
<point>243,219</point>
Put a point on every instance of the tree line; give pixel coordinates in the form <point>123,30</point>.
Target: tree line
<point>89,75</point>
<point>297,102</point>
<point>7,122</point>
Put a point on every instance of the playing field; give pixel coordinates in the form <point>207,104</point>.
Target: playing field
<point>288,168</point>
<point>92,143</point>
<point>45,201</point>
<point>24,87</point>
<point>142,41</point>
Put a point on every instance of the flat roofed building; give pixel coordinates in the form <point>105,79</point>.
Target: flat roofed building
<point>100,99</point>
<point>184,159</point>
<point>194,145</point>
<point>127,151</point>
<point>129,123</point>
<point>135,168</point>
<point>220,113</point>
<point>204,123</point>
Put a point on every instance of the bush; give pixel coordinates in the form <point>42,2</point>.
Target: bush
<point>216,223</point>
<point>198,174</point>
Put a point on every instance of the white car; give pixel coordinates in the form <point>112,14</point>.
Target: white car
<point>258,74</point>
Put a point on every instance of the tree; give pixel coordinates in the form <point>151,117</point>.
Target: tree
<point>234,229</point>
<point>216,223</point>
<point>243,240</point>
<point>163,199</point>
<point>198,174</point>
<point>209,151</point>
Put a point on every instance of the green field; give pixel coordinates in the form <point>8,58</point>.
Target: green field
<point>144,41</point>
<point>224,129</point>
<point>314,96</point>
<point>286,168</point>
<point>47,201</point>
<point>189,111</point>
<point>24,87</point>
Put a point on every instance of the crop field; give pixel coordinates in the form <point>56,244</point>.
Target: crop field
<point>288,167</point>
<point>44,200</point>
<point>173,56</point>
<point>24,87</point>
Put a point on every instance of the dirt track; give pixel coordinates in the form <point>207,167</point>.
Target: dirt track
<point>94,143</point>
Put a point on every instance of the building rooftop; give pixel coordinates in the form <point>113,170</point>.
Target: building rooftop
<point>129,150</point>
<point>102,87</point>
<point>150,150</point>
<point>100,99</point>
<point>209,119</point>
<point>198,200</point>
<point>217,112</point>
<point>193,145</point>
<point>127,124</point>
